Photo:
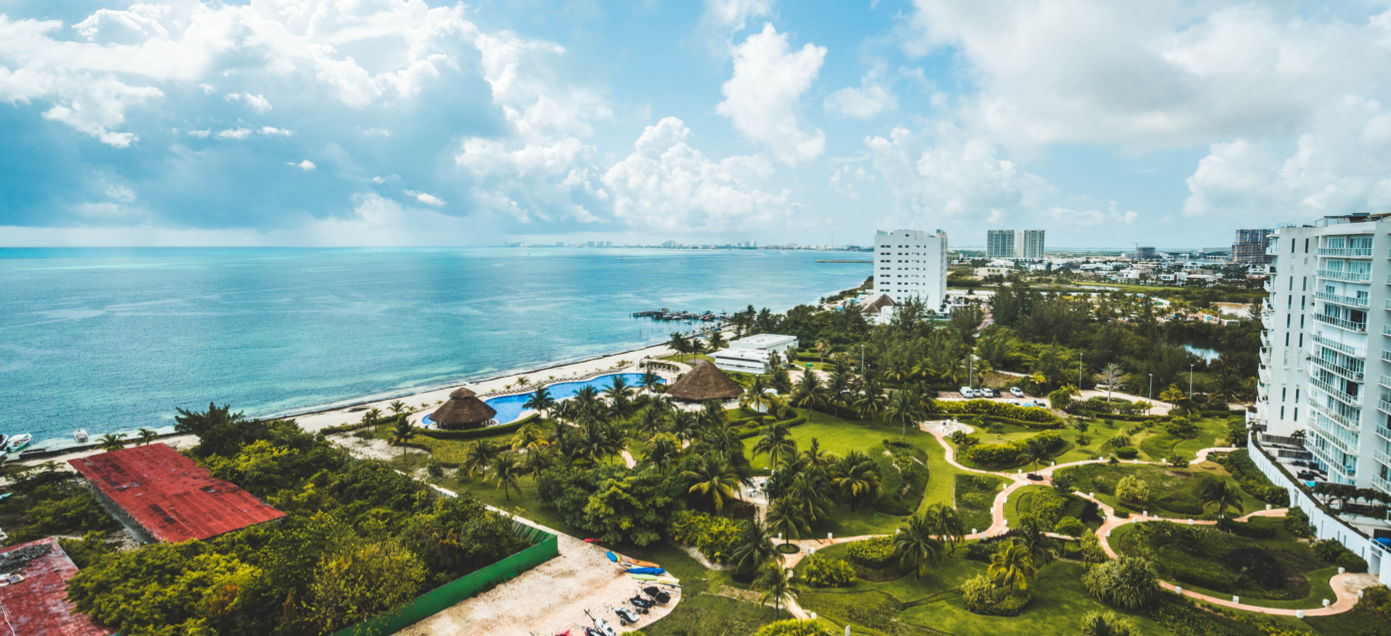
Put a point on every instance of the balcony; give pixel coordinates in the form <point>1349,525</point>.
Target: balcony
<point>1272,250</point>
<point>1338,346</point>
<point>1349,301</point>
<point>1380,484</point>
<point>1385,381</point>
<point>1383,432</point>
<point>1264,373</point>
<point>1266,285</point>
<point>1381,456</point>
<point>1265,341</point>
<point>1267,321</point>
<point>1351,373</point>
<point>1351,277</point>
<point>1346,252</point>
<point>1341,323</point>
<point>1337,393</point>
<point>1342,420</point>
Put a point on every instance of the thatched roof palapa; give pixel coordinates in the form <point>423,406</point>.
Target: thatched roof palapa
<point>463,410</point>
<point>883,301</point>
<point>705,382</point>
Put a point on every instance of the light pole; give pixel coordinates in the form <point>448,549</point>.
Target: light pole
<point>1190,381</point>
<point>1151,400</point>
<point>862,359</point>
<point>971,371</point>
<point>1079,374</point>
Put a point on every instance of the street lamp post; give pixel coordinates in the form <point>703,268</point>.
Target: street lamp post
<point>1079,373</point>
<point>1190,381</point>
<point>1151,395</point>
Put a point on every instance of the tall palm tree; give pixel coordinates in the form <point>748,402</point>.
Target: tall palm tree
<point>1032,535</point>
<point>785,519</point>
<point>822,347</point>
<point>679,344</point>
<point>871,401</point>
<point>1035,452</point>
<point>540,400</point>
<point>775,581</point>
<point>1012,566</point>
<point>807,493</point>
<point>837,384</point>
<point>714,479</point>
<point>397,407</point>
<point>112,441</point>
<point>943,522</point>
<point>1220,493</point>
<point>478,457</point>
<point>539,460</point>
<point>402,434</point>
<point>506,470</point>
<point>756,396</point>
<point>716,340</point>
<point>664,451</point>
<point>146,436</point>
<point>809,392</point>
<point>653,420</point>
<point>619,390</point>
<point>755,547</point>
<point>650,381</point>
<point>684,425</point>
<point>904,408</point>
<point>528,437</point>
<point>855,478</point>
<point>776,443</point>
<point>915,546</point>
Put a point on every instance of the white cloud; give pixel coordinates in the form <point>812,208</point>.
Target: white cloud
<point>844,177</point>
<point>208,89</point>
<point>1069,218</point>
<point>277,132</point>
<point>1150,74</point>
<point>533,99</point>
<point>201,134</point>
<point>234,133</point>
<point>426,198</point>
<point>762,97</point>
<point>305,165</point>
<point>732,16</point>
<point>874,96</point>
<point>665,184</point>
<point>376,132</point>
<point>535,181</point>
<point>258,103</point>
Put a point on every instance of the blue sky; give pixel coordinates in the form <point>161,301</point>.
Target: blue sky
<point>387,122</point>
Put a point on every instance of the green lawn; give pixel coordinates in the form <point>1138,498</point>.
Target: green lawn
<point>1172,490</point>
<point>975,494</point>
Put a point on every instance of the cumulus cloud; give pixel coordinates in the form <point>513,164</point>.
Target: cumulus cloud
<point>258,103</point>
<point>276,132</point>
<point>665,184</point>
<point>524,82</point>
<point>201,134</point>
<point>234,133</point>
<point>534,181</point>
<point>872,97</point>
<point>844,177</point>
<point>763,96</point>
<point>426,198</point>
<point>305,165</point>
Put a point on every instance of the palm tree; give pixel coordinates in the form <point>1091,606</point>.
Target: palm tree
<point>776,443</point>
<point>756,396</point>
<point>540,400</point>
<point>619,390</point>
<point>1111,375</point>
<point>1220,493</point>
<point>915,546</point>
<point>855,478</point>
<point>904,408</point>
<point>807,494</point>
<point>684,425</point>
<point>478,456</point>
<point>663,451</point>
<point>1012,566</point>
<point>397,407</point>
<point>1034,452</point>
<point>821,348</point>
<point>755,547</point>
<point>372,417</point>
<point>679,344</point>
<point>809,392</point>
<point>785,519</point>
<point>650,381</point>
<point>775,581</point>
<point>714,479</point>
<point>402,434</point>
<point>528,437</point>
<point>871,400</point>
<point>943,522</point>
<point>838,384</point>
<point>146,436</point>
<point>539,460</point>
<point>1032,536</point>
<point>112,441</point>
<point>653,420</point>
<point>716,340</point>
<point>506,470</point>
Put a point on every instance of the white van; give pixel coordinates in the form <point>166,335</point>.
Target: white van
<point>967,393</point>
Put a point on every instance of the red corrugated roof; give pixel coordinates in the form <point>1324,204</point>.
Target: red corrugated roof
<point>172,497</point>
<point>40,604</point>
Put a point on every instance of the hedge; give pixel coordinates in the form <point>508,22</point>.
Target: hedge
<point>796,421</point>
<point>481,432</point>
<point>1251,479</point>
<point>999,409</point>
<point>715,537</point>
<point>872,553</point>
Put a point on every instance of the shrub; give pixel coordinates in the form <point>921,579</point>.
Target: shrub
<point>1179,462</point>
<point>1352,563</point>
<point>1091,550</point>
<point>982,597</point>
<point>1258,565</point>
<point>715,537</point>
<point>1180,427</point>
<point>1108,624</point>
<point>1122,514</point>
<point>1376,600</point>
<point>793,627</point>
<point>1127,452</point>
<point>1251,479</point>
<point>977,500</point>
<point>995,454</point>
<point>872,553</point>
<point>1297,522</point>
<point>1328,550</point>
<point>821,571</point>
<point>1133,491</point>
<point>1070,526</point>
<point>1127,582</point>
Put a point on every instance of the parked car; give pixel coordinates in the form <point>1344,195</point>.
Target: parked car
<point>1016,391</point>
<point>1040,404</point>
<point>967,393</point>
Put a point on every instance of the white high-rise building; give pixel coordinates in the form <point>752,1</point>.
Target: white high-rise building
<point>1326,348</point>
<point>911,264</point>
<point>999,243</point>
<point>1030,245</point>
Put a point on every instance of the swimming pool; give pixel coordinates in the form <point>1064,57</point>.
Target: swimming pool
<point>509,407</point>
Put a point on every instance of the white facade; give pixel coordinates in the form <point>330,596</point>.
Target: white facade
<point>999,243</point>
<point>750,354</point>
<point>911,264</point>
<point>1030,244</point>
<point>1326,347</point>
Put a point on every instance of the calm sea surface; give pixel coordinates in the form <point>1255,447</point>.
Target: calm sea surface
<point>114,339</point>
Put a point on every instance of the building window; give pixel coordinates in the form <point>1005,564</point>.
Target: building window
<point>1296,396</point>
<point>1301,340</point>
<point>1282,412</point>
<point>1282,394</point>
<point>1296,414</point>
<point>1306,251</point>
<point>1287,338</point>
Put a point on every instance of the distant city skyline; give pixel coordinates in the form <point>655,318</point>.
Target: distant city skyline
<point>712,122</point>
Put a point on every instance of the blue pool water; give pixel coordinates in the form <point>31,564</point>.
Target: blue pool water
<point>509,407</point>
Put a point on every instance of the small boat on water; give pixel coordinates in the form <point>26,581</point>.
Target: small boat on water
<point>80,436</point>
<point>18,442</point>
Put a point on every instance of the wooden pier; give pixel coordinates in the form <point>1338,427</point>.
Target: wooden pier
<point>665,314</point>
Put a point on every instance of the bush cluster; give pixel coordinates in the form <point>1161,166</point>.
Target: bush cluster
<point>793,627</point>
<point>874,553</point>
<point>1297,522</point>
<point>1251,479</point>
<point>1133,491</point>
<point>982,597</point>
<point>1009,453</point>
<point>1127,582</point>
<point>1377,600</point>
<point>823,571</point>
<point>1127,452</point>
<point>1332,551</point>
<point>1030,417</point>
<point>715,537</point>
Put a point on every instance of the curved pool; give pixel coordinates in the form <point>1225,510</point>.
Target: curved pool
<point>509,407</point>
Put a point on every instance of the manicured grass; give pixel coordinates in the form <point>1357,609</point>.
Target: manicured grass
<point>975,494</point>
<point>1358,622</point>
<point>1172,490</point>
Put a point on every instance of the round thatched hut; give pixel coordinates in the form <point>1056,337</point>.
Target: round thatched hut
<point>463,411</point>
<point>705,382</point>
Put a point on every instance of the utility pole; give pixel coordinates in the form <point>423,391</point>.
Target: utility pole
<point>971,374</point>
<point>1079,374</point>
<point>1190,381</point>
<point>1151,395</point>
<point>862,360</point>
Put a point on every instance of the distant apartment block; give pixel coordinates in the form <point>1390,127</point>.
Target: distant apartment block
<point>999,244</point>
<point>1030,245</point>
<point>1250,247</point>
<point>911,264</point>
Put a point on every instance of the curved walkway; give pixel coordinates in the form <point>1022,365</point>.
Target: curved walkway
<point>1345,586</point>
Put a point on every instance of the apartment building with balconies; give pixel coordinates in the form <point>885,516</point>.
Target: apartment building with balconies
<point>1326,350</point>
<point>911,264</point>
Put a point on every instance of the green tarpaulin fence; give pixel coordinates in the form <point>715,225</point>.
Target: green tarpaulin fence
<point>544,548</point>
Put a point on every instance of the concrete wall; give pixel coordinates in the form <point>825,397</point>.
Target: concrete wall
<point>1326,526</point>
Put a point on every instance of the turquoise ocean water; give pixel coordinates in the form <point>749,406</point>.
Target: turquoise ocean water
<point>114,339</point>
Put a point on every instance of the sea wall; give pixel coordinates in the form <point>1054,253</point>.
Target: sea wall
<point>1326,526</point>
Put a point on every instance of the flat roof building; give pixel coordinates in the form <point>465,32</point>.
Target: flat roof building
<point>999,244</point>
<point>911,264</point>
<point>750,354</point>
<point>1030,245</point>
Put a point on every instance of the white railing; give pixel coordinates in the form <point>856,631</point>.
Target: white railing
<point>1349,400</point>
<point>1338,346</point>
<point>1355,277</point>
<point>1354,252</point>
<point>1267,322</point>
<point>1351,301</point>
<point>1385,381</point>
<point>1339,418</point>
<point>1356,375</point>
<point>1341,323</point>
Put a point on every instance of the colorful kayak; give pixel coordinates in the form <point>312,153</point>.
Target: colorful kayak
<point>645,577</point>
<point>643,564</point>
<point>653,571</point>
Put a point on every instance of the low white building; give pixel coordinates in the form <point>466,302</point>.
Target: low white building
<point>750,354</point>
